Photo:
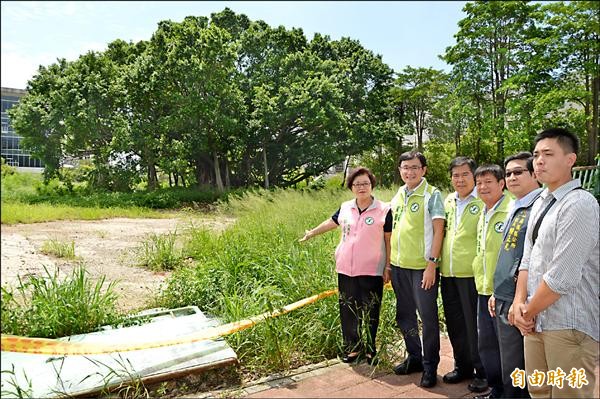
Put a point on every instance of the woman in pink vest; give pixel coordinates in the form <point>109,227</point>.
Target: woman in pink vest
<point>362,262</point>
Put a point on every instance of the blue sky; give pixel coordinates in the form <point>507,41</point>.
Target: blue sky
<point>403,33</point>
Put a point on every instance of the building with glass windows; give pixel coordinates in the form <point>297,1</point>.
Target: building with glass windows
<point>11,149</point>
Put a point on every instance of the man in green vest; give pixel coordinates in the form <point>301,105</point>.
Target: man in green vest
<point>417,234</point>
<point>459,296</point>
<point>490,228</point>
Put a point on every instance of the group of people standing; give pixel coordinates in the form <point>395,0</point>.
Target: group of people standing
<point>518,272</point>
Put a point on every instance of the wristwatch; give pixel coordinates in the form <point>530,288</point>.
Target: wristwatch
<point>434,260</point>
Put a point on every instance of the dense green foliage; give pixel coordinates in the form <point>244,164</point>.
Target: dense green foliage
<point>228,102</point>
<point>51,306</point>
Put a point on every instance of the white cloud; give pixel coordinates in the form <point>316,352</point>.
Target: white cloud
<point>20,11</point>
<point>17,67</point>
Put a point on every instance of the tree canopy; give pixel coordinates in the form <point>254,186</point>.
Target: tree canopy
<point>226,101</point>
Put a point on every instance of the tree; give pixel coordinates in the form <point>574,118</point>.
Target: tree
<point>420,89</point>
<point>38,117</point>
<point>492,45</point>
<point>575,47</point>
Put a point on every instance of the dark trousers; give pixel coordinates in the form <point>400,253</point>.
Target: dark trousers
<point>512,356</point>
<point>410,298</point>
<point>360,298</point>
<point>489,351</point>
<point>459,297</point>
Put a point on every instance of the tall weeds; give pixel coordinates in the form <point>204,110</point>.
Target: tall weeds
<point>258,265</point>
<point>50,307</point>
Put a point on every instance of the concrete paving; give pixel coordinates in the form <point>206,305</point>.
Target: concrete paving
<point>333,379</point>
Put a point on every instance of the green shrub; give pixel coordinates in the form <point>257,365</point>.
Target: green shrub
<point>50,307</point>
<point>7,170</point>
<point>18,186</point>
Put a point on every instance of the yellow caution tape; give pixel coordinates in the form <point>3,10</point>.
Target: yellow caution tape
<point>44,346</point>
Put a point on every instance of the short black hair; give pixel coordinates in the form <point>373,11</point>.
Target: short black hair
<point>567,140</point>
<point>407,156</point>
<point>359,172</point>
<point>521,156</point>
<point>492,169</point>
<point>460,161</point>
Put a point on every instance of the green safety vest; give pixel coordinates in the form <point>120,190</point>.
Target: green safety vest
<point>460,240</point>
<point>489,242</point>
<point>412,232</point>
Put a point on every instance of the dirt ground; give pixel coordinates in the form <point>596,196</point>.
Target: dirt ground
<point>106,247</point>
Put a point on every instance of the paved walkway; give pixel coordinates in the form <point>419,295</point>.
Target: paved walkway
<point>339,380</point>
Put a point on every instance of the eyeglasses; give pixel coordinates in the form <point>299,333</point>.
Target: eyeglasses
<point>361,185</point>
<point>412,168</point>
<point>516,172</point>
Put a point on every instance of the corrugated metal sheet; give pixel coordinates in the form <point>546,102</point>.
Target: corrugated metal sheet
<point>43,376</point>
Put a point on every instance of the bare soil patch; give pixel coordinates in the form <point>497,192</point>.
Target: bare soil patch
<point>106,247</point>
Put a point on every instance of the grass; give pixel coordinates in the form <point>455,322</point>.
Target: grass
<point>59,249</point>
<point>50,307</point>
<point>257,265</point>
<point>160,252</point>
<point>254,266</point>
<point>17,212</point>
<point>26,199</point>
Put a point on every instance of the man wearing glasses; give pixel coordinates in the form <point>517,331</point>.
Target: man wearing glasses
<point>417,234</point>
<point>522,183</point>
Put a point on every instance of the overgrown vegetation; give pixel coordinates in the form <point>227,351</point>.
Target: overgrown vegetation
<point>50,306</point>
<point>257,265</point>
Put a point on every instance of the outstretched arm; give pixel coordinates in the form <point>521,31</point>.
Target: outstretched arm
<point>324,227</point>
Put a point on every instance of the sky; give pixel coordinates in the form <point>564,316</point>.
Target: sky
<point>404,33</point>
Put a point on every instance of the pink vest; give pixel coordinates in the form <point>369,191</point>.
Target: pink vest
<point>361,251</point>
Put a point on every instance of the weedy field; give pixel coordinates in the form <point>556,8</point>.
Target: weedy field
<point>251,264</point>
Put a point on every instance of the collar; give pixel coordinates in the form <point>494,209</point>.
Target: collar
<point>528,199</point>
<point>496,205</point>
<point>469,197</point>
<point>408,192</point>
<point>563,190</point>
<point>373,204</point>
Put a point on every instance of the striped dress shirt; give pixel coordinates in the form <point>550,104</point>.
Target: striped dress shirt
<point>566,256</point>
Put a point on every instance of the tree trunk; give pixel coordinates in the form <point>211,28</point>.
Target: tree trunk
<point>152,178</point>
<point>265,166</point>
<point>217,169</point>
<point>227,179</point>
<point>346,164</point>
<point>593,132</point>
